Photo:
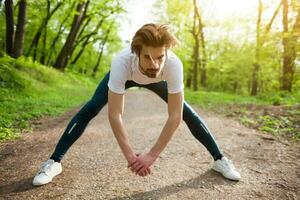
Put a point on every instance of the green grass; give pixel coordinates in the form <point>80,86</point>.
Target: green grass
<point>262,112</point>
<point>212,99</point>
<point>29,90</point>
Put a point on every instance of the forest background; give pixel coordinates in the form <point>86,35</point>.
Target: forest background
<point>241,58</point>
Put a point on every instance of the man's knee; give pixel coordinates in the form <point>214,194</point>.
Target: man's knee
<point>189,115</point>
<point>91,109</point>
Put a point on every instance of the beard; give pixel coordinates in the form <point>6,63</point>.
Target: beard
<point>150,72</point>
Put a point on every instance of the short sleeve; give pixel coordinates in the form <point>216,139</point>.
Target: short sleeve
<point>118,76</point>
<point>174,75</point>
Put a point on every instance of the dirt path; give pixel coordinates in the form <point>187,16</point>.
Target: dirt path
<point>94,168</point>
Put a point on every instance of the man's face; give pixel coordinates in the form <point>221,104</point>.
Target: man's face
<point>152,60</point>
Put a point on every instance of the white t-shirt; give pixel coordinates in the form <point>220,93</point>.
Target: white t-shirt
<point>125,66</point>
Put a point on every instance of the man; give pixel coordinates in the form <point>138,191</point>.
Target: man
<point>149,63</point>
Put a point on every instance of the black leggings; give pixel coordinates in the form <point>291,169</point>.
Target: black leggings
<point>79,122</point>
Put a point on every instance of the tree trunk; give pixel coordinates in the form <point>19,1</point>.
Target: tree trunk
<point>61,29</point>
<point>268,27</point>
<point>86,41</point>
<point>204,57</point>
<point>79,38</point>
<point>189,78</point>
<point>203,61</point>
<point>0,5</point>
<point>86,38</point>
<point>20,31</point>
<point>260,40</point>
<point>289,42</point>
<point>43,53</point>
<point>89,19</point>
<point>43,25</point>
<point>62,58</point>
<point>9,27</point>
<point>256,65</point>
<point>101,53</point>
<point>196,59</point>
<point>196,65</point>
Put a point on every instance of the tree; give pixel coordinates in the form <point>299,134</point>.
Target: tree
<point>86,40</point>
<point>256,64</point>
<point>9,16</point>
<point>15,39</point>
<point>203,50</point>
<point>61,29</point>
<point>289,41</point>
<point>198,61</point>
<point>102,44</point>
<point>260,41</point>
<point>196,56</point>
<point>63,57</point>
<point>20,31</point>
<point>42,27</point>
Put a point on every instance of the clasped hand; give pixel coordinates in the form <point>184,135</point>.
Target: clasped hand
<point>140,163</point>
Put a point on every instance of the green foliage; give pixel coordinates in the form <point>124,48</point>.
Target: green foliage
<point>269,124</point>
<point>212,99</point>
<point>29,90</point>
<point>255,112</point>
<point>61,20</point>
<point>8,133</point>
<point>275,125</point>
<point>231,53</point>
<point>280,98</point>
<point>247,121</point>
<point>229,67</point>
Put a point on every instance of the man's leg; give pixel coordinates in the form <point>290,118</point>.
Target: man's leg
<point>52,167</point>
<point>198,128</point>
<point>196,125</point>
<point>79,122</point>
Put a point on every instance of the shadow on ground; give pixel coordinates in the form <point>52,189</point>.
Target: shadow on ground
<point>207,180</point>
<point>17,186</point>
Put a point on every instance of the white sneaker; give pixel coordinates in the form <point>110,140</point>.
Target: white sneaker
<point>48,171</point>
<point>226,168</point>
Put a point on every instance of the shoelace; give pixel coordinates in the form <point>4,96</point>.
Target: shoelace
<point>45,167</point>
<point>229,164</point>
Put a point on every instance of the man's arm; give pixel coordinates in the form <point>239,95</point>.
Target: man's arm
<point>175,109</point>
<point>115,112</point>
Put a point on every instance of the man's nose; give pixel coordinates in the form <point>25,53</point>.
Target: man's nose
<point>154,64</point>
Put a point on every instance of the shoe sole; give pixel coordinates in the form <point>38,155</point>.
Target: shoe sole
<point>217,170</point>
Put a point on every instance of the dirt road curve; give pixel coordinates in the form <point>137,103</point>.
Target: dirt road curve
<point>94,168</point>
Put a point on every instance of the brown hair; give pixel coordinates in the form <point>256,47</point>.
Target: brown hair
<point>154,35</point>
